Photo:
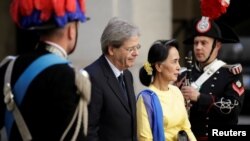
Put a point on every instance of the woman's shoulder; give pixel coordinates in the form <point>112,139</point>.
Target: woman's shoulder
<point>173,87</point>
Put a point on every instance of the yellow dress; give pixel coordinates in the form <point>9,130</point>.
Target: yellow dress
<point>175,116</point>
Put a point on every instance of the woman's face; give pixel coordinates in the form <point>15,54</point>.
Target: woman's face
<point>170,68</point>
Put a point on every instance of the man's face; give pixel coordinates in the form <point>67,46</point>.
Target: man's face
<point>124,57</point>
<point>202,48</point>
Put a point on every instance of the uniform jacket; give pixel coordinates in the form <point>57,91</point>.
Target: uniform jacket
<point>220,101</point>
<point>111,117</point>
<point>50,101</point>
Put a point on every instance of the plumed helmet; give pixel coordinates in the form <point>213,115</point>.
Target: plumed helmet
<point>207,25</point>
<point>210,28</point>
<point>46,14</point>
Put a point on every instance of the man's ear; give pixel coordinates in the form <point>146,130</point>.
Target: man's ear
<point>218,45</point>
<point>110,50</point>
<point>71,30</point>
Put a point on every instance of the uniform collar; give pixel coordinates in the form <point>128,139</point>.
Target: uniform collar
<point>208,66</point>
<point>197,66</point>
<point>56,49</point>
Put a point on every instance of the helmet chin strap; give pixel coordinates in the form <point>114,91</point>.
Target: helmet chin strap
<point>213,46</point>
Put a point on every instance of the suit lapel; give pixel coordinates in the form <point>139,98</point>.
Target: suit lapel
<point>130,90</point>
<point>131,96</point>
<point>113,83</point>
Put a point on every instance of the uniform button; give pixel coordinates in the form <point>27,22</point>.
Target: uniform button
<point>206,134</point>
<point>206,126</point>
<point>217,72</point>
<point>207,118</point>
<point>212,85</point>
<point>215,78</point>
<point>210,93</point>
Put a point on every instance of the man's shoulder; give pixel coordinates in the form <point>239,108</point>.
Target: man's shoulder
<point>95,63</point>
<point>45,63</point>
<point>235,69</point>
<point>93,67</point>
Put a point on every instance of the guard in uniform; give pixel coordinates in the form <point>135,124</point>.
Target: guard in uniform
<point>216,93</point>
<point>42,96</point>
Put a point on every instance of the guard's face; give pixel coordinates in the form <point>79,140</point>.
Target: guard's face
<point>124,57</point>
<point>203,47</point>
<point>169,69</point>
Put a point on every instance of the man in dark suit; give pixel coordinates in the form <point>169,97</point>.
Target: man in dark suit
<point>43,85</point>
<point>112,115</point>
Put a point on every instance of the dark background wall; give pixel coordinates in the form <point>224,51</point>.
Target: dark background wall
<point>7,30</point>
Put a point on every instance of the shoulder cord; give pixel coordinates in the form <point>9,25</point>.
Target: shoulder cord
<point>84,89</point>
<point>207,74</point>
<point>11,105</point>
<point>6,59</point>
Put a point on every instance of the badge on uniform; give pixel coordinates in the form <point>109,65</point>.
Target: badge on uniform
<point>238,87</point>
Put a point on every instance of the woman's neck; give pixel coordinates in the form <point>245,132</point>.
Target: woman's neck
<point>160,84</point>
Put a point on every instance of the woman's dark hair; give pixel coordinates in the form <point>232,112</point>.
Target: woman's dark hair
<point>158,52</point>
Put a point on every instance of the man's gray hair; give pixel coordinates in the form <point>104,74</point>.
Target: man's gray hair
<point>116,33</point>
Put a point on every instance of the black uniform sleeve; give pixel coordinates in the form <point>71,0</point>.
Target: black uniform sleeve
<point>232,100</point>
<point>227,100</point>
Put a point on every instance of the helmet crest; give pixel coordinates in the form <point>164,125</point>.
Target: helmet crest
<point>30,14</point>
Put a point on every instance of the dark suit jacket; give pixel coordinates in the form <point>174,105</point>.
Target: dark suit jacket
<point>111,117</point>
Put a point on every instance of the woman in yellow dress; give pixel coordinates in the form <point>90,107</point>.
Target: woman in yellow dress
<point>161,111</point>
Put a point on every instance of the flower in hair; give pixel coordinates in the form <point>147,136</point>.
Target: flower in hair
<point>148,68</point>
